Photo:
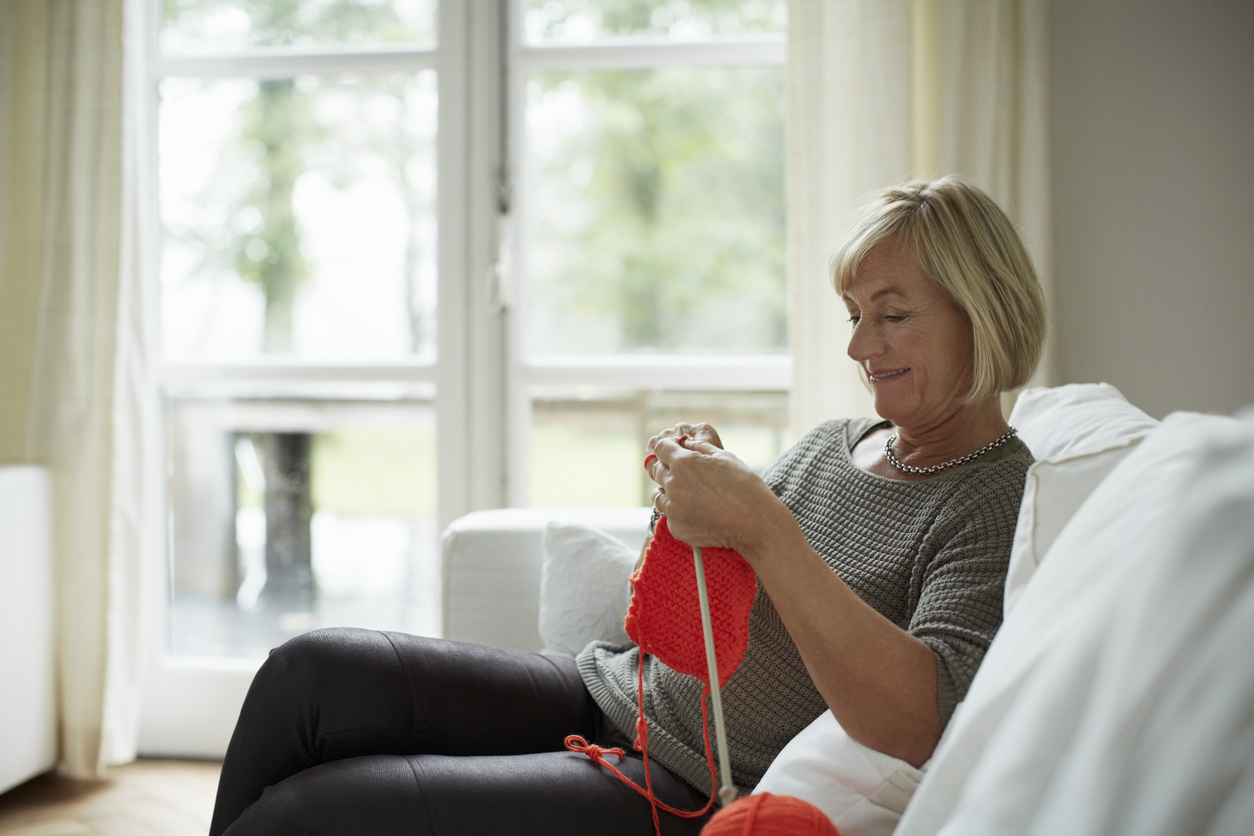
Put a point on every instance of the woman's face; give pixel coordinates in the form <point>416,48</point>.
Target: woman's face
<point>914,344</point>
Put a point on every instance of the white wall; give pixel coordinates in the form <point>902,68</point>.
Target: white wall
<point>1153,171</point>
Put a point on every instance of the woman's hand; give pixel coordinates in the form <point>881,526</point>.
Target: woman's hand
<point>709,496</point>
<point>697,432</point>
<point>694,432</point>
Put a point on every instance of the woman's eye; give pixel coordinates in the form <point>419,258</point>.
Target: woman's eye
<point>853,320</point>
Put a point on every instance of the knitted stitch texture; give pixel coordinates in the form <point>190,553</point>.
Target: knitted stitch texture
<point>929,555</point>
<point>665,618</point>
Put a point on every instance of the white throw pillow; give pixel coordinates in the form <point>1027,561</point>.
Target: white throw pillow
<point>862,791</point>
<point>1078,433</point>
<point>584,588</point>
<point>1116,698</point>
<point>1062,421</point>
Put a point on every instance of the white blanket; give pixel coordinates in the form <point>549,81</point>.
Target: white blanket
<point>1119,695</point>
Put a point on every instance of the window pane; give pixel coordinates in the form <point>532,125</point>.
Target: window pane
<point>299,216</point>
<point>200,26</point>
<point>656,211</point>
<point>581,21</point>
<point>587,447</point>
<point>291,515</point>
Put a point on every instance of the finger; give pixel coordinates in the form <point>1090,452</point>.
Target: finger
<point>667,449</point>
<point>685,443</point>
<point>669,432</point>
<point>680,429</point>
<point>701,432</point>
<point>699,446</point>
<point>707,433</point>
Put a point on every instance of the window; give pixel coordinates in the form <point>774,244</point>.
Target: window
<point>298,193</point>
<point>419,258</point>
<point>647,150</point>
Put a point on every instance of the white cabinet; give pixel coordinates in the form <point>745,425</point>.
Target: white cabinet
<point>27,692</point>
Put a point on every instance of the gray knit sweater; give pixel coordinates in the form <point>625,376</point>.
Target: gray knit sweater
<point>929,555</point>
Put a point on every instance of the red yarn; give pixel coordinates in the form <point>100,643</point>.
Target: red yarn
<point>770,815</point>
<point>664,619</point>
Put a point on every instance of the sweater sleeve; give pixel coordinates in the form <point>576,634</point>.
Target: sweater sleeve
<point>962,585</point>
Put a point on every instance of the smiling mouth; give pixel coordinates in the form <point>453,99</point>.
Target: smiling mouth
<point>885,375</point>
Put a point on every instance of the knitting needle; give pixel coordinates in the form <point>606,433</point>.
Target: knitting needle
<point>726,792</point>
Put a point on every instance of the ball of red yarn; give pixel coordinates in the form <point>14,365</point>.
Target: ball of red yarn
<point>764,814</point>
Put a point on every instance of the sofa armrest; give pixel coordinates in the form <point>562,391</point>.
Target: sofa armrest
<point>491,568</point>
<point>28,743</point>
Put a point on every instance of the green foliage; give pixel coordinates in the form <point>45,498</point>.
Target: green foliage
<point>587,453</point>
<point>683,215</point>
<point>594,467</point>
<point>277,128</point>
<point>654,18</point>
<point>375,472</point>
<point>675,237</point>
<point>291,23</point>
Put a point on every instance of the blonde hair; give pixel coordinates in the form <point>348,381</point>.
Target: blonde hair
<point>967,246</point>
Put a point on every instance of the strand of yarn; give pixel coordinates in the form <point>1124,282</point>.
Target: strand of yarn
<point>642,743</point>
<point>596,754</point>
<point>664,620</point>
<point>765,814</point>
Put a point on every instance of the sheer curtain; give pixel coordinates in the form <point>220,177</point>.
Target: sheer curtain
<point>73,344</point>
<point>884,90</point>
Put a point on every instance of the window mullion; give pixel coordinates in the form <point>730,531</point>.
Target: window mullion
<point>767,51</point>
<point>518,403</point>
<point>472,353</point>
<point>288,64</point>
<point>723,373</point>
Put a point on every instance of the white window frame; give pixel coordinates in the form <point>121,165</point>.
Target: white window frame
<point>446,371</point>
<point>688,372</point>
<point>191,703</point>
<point>481,373</point>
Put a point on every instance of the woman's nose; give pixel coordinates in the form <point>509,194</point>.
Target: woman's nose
<point>862,343</point>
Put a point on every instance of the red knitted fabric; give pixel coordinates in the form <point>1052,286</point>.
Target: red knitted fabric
<point>664,619</point>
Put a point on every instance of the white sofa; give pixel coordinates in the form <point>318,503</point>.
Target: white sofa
<point>1118,696</point>
<point>27,685</point>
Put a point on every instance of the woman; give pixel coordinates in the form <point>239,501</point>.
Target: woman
<point>880,548</point>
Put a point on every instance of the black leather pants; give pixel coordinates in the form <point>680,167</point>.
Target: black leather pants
<point>350,731</point>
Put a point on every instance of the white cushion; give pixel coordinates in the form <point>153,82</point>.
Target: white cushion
<point>493,561</point>
<point>1061,421</point>
<point>1078,433</point>
<point>584,588</point>
<point>1118,696</point>
<point>862,791</point>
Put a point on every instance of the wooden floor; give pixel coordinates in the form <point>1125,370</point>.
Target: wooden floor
<point>145,798</point>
